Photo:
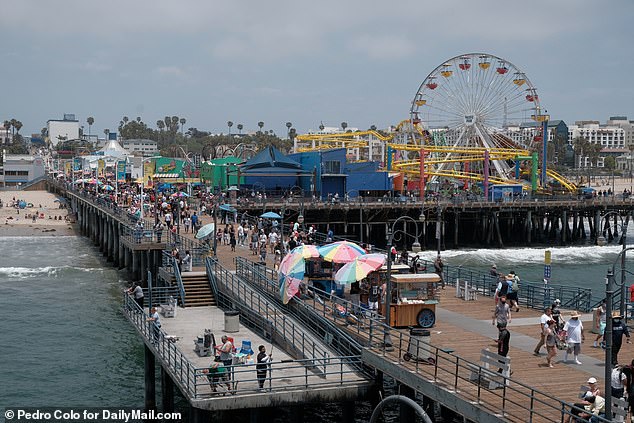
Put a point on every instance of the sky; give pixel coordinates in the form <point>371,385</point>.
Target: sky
<point>278,61</point>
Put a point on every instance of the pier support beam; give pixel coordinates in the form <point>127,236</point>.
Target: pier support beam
<point>150,380</point>
<point>406,412</point>
<point>167,391</point>
<point>348,413</point>
<point>196,415</point>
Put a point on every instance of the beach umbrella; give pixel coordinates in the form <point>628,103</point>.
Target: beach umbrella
<point>206,230</point>
<point>180,194</point>
<point>341,251</point>
<point>359,268</point>
<point>307,251</point>
<point>291,275</point>
<point>107,187</point>
<point>270,215</point>
<point>227,208</point>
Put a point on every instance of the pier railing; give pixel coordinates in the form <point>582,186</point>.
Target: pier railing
<point>281,376</point>
<point>446,369</point>
<point>258,312</point>
<point>198,250</point>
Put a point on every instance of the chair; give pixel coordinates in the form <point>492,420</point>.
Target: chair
<point>246,348</point>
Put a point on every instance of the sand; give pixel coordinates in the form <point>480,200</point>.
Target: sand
<point>13,223</point>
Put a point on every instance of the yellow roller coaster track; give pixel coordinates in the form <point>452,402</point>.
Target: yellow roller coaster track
<point>345,136</point>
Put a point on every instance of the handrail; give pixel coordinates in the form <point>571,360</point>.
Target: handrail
<point>179,280</point>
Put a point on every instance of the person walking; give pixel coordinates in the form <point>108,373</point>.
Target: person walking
<point>438,267</point>
<point>574,336</point>
<point>187,262</point>
<point>550,332</point>
<point>502,313</point>
<point>600,319</point>
<point>543,325</point>
<point>263,360</point>
<point>504,339</point>
<point>618,330</point>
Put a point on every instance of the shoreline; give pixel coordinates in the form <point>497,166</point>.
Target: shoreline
<point>50,217</point>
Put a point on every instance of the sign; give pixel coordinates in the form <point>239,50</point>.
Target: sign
<point>121,171</point>
<point>547,272</point>
<point>547,257</point>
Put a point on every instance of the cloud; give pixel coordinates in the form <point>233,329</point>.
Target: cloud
<point>382,46</point>
<point>170,71</point>
<point>95,67</point>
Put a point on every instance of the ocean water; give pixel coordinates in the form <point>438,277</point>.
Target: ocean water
<point>66,343</point>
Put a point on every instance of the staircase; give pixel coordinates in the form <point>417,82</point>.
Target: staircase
<point>197,290</point>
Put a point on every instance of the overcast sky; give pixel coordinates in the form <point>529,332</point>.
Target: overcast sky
<point>357,61</point>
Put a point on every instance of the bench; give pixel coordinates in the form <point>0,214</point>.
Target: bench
<point>490,377</point>
<point>464,291</point>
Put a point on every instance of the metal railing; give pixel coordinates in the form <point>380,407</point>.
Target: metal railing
<point>260,313</point>
<point>179,280</point>
<point>198,250</point>
<point>264,280</point>
<point>281,376</point>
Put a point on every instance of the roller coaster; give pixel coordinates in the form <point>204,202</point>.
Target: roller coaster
<point>468,123</point>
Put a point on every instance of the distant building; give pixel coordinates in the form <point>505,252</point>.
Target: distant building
<point>611,137</point>
<point>19,169</point>
<point>141,147</point>
<point>5,136</point>
<point>62,130</point>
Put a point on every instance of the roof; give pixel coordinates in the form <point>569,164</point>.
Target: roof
<point>113,148</point>
<point>270,159</point>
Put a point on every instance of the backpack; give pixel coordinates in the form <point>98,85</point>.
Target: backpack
<point>516,284</point>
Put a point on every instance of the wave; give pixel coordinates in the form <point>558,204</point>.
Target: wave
<point>49,271</point>
<point>528,256</point>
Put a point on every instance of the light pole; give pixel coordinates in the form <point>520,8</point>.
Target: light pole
<point>610,282</point>
<point>623,241</point>
<point>360,213</point>
<point>388,295</point>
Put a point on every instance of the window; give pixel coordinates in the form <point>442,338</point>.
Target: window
<point>332,166</point>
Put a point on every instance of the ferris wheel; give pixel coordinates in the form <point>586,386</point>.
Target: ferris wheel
<point>475,101</point>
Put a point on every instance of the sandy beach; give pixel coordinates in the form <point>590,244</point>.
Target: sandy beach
<point>19,222</point>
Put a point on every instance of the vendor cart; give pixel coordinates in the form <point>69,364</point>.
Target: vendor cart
<point>414,299</point>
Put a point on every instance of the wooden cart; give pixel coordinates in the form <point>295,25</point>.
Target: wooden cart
<point>414,300</point>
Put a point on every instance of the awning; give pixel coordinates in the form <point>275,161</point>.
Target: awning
<point>166,175</point>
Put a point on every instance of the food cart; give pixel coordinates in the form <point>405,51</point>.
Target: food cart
<point>414,299</point>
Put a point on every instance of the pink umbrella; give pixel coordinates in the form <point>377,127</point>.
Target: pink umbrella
<point>359,268</point>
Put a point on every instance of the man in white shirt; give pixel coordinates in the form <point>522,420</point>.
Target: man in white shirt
<point>543,322</point>
<point>574,335</point>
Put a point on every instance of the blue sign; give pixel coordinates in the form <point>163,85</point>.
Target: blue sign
<point>547,271</point>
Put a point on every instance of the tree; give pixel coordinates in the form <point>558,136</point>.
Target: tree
<point>261,125</point>
<point>138,119</point>
<point>183,121</point>
<point>90,121</point>
<point>229,124</point>
<point>610,163</point>
<point>344,125</point>
<point>373,128</point>
<point>240,126</point>
<point>18,126</point>
<point>125,119</point>
<point>288,128</point>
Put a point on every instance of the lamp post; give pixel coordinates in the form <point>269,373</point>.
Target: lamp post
<point>610,282</point>
<point>360,213</point>
<point>388,295</point>
<point>143,183</point>
<point>623,241</point>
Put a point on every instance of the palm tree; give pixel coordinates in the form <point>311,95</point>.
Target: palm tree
<point>229,124</point>
<point>344,125</point>
<point>125,119</point>
<point>288,127</point>
<point>107,133</point>
<point>373,128</point>
<point>90,121</point>
<point>261,125</point>
<point>168,123</point>
<point>321,126</point>
<point>183,121</point>
<point>138,119</point>
<point>240,126</point>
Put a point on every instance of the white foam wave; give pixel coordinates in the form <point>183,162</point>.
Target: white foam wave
<point>30,272</point>
<point>559,255</point>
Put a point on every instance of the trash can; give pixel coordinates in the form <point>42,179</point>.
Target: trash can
<point>419,348</point>
<point>232,321</point>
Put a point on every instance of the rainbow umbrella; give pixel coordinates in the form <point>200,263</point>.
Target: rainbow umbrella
<point>359,268</point>
<point>291,275</point>
<point>341,252</point>
<point>306,251</point>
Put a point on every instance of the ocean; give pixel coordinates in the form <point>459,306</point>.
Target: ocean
<point>66,343</point>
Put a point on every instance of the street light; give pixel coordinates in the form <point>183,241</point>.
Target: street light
<point>610,282</point>
<point>388,295</point>
<point>601,241</point>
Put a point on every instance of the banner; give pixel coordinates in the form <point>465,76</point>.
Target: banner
<point>148,172</point>
<point>77,163</point>
<point>67,169</point>
<point>101,165</point>
<point>121,171</point>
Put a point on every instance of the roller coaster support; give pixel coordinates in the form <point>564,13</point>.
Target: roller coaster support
<point>389,157</point>
<point>486,174</point>
<point>534,173</point>
<point>422,174</point>
<point>545,151</point>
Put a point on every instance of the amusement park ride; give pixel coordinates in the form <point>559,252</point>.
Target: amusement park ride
<point>467,124</point>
